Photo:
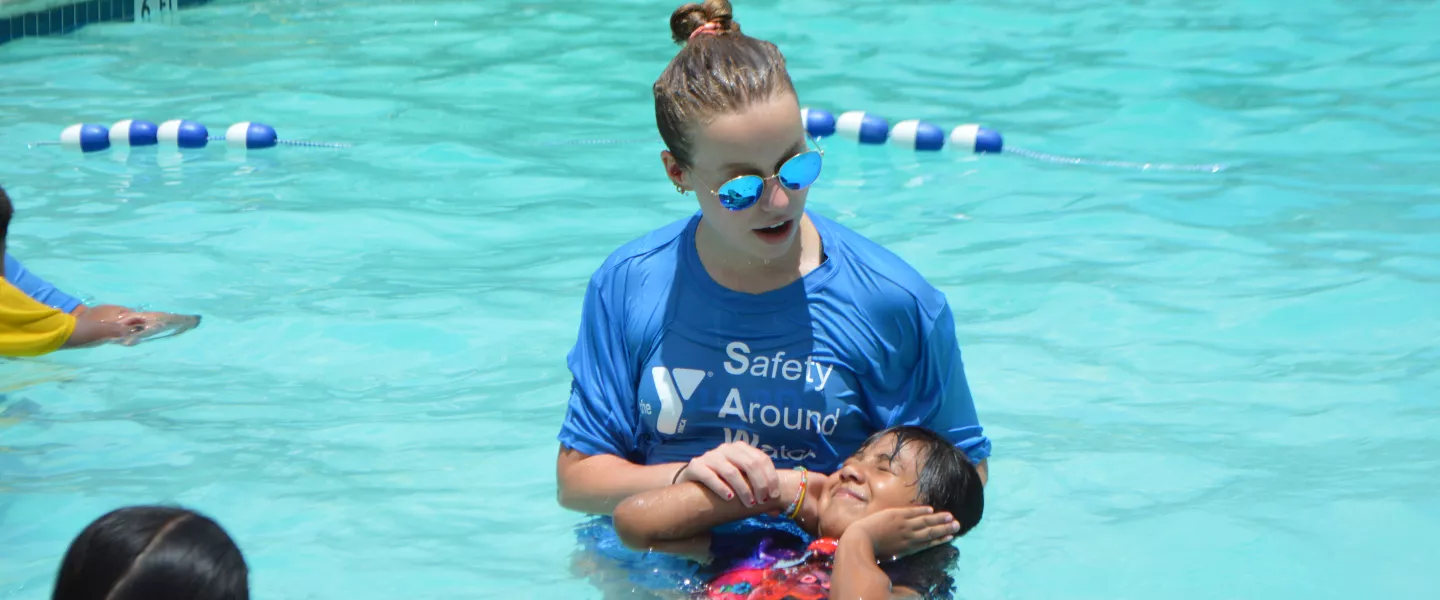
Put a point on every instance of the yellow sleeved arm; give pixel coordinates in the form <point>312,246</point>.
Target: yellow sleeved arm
<point>28,327</point>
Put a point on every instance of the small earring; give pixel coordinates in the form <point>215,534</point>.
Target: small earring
<point>680,189</point>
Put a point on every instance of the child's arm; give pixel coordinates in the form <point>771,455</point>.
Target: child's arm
<point>857,574</point>
<point>114,324</point>
<point>90,331</point>
<point>677,519</point>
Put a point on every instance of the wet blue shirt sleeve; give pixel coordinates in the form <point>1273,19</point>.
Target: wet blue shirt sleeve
<point>601,417</point>
<point>35,287</point>
<point>936,393</point>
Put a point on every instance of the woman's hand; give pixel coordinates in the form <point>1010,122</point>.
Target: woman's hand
<point>736,469</point>
<point>900,532</point>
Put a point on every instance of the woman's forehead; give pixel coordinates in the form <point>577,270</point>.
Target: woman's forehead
<point>761,135</point>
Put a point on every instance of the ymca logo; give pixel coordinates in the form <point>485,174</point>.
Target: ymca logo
<point>673,390</point>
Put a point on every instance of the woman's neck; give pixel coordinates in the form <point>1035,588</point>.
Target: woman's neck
<point>737,271</point>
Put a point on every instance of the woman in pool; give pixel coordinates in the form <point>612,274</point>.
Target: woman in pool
<point>754,334</point>
<point>877,505</point>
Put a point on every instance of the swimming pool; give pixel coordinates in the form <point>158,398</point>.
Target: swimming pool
<point>1198,385</point>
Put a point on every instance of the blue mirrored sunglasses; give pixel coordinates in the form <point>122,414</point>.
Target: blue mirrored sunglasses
<point>797,173</point>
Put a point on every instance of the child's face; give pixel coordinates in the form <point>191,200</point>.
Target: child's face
<point>873,479</point>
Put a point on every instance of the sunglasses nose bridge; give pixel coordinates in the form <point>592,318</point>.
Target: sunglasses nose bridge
<point>775,198</point>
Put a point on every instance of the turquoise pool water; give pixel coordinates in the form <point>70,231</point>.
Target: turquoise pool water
<point>1220,385</point>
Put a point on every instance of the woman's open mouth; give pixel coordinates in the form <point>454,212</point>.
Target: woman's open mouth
<point>776,233</point>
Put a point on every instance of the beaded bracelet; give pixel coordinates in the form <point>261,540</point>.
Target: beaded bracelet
<point>794,509</point>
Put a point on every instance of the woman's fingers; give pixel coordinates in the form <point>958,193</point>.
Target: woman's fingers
<point>760,471</point>
<point>736,471</point>
<point>707,477</point>
<point>736,479</point>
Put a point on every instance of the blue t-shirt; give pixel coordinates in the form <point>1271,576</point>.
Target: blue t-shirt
<point>670,364</point>
<point>37,288</point>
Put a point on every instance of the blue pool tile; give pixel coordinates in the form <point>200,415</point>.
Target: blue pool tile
<point>52,23</point>
<point>85,13</point>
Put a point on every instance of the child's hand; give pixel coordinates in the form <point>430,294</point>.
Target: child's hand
<point>145,325</point>
<point>900,532</point>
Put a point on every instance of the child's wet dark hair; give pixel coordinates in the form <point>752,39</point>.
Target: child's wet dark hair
<point>153,553</point>
<point>948,482</point>
<point>7,211</point>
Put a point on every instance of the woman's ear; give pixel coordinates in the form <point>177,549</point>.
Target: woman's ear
<point>673,170</point>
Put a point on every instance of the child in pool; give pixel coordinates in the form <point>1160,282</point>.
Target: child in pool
<point>904,492</point>
<point>153,553</point>
<point>31,328</point>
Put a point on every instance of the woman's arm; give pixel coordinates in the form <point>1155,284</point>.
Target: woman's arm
<point>677,519</point>
<point>930,387</point>
<point>596,484</point>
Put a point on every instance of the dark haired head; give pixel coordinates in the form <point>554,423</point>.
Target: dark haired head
<point>7,210</point>
<point>946,481</point>
<point>153,553</point>
<point>719,70</point>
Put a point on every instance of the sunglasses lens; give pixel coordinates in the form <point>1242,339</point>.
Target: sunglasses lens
<point>741,192</point>
<point>801,171</point>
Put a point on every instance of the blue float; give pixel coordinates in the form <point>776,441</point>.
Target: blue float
<point>85,137</point>
<point>250,136</point>
<point>862,127</point>
<point>819,123</point>
<point>977,139</point>
<point>183,133</point>
<point>918,135</point>
<point>134,133</point>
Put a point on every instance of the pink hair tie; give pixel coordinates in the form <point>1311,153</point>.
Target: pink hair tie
<point>710,28</point>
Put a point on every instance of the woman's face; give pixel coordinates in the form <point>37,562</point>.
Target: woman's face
<point>876,478</point>
<point>754,141</point>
